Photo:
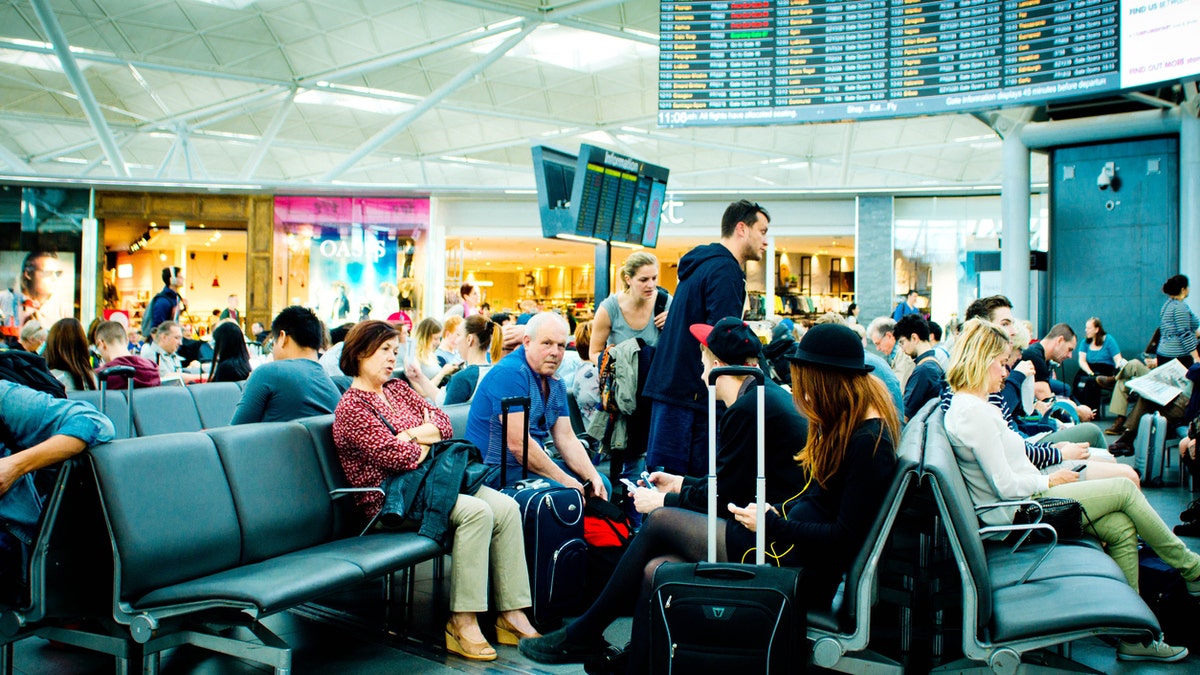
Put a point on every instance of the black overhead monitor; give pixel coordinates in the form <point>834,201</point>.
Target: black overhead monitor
<point>600,195</point>
<point>785,61</point>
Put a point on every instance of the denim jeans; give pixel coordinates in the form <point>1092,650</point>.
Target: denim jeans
<point>678,439</point>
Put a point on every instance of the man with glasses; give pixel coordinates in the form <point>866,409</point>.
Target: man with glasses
<point>925,382</point>
<point>293,385</point>
<point>882,334</point>
<point>712,286</point>
<point>41,279</point>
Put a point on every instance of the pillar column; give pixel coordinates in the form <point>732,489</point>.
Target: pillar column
<point>1014,215</point>
<point>260,234</point>
<point>874,244</point>
<point>1189,202</point>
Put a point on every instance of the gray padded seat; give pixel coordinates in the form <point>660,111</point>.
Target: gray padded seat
<point>164,410</point>
<point>376,552</point>
<point>846,621</point>
<point>458,414</point>
<point>117,410</point>
<point>1041,612</point>
<point>215,402</point>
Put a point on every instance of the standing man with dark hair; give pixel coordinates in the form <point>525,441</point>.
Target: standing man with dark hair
<point>712,286</point>
<point>166,305</point>
<point>909,306</point>
<point>293,385</point>
<point>925,382</point>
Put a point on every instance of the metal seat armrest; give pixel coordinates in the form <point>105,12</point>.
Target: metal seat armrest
<point>1026,529</point>
<point>342,492</point>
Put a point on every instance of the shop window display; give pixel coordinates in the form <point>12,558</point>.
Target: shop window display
<point>39,274</point>
<point>350,259</point>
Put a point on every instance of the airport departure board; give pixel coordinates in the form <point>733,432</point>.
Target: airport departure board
<point>599,194</point>
<point>781,61</point>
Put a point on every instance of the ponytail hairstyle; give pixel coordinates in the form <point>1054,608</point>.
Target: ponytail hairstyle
<point>497,339</point>
<point>485,333</point>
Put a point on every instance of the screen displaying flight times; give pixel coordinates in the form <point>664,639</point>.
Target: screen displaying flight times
<point>784,61</point>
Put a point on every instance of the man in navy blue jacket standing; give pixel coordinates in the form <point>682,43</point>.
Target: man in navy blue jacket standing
<point>712,286</point>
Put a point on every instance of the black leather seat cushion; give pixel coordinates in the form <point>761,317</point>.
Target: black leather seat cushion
<point>270,585</point>
<point>1007,568</point>
<point>1066,604</point>
<point>381,552</point>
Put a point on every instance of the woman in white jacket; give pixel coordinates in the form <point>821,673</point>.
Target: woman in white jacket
<point>994,464</point>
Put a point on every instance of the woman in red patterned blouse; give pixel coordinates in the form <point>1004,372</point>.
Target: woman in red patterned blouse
<point>486,525</point>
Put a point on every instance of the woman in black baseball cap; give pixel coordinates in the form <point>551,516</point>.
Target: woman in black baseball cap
<point>849,459</point>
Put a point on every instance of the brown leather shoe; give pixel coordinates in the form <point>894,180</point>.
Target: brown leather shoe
<point>1118,426</point>
<point>1120,448</point>
<point>1106,382</point>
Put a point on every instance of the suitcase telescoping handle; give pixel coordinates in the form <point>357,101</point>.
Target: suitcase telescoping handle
<point>507,404</point>
<point>128,372</point>
<point>760,534</point>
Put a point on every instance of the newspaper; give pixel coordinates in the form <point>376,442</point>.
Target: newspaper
<point>1163,384</point>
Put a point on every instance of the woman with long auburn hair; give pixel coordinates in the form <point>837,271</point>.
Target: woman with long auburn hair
<point>67,355</point>
<point>850,457</point>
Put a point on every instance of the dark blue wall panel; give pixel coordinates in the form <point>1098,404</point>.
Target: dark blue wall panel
<point>1111,251</point>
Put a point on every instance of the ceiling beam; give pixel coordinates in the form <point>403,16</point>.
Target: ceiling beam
<point>87,99</point>
<point>10,158</point>
<point>396,58</point>
<point>268,138</point>
<point>451,86</point>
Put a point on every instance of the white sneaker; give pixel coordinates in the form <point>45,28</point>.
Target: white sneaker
<point>1155,651</point>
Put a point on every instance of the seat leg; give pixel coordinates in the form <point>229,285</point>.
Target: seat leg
<point>6,659</point>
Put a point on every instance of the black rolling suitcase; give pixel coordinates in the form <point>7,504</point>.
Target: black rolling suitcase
<point>127,372</point>
<point>725,617</point>
<point>552,519</point>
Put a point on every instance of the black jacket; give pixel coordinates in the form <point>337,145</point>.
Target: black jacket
<point>711,287</point>
<point>786,432</point>
<point>428,492</point>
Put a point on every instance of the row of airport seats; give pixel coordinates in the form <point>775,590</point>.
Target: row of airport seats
<point>196,407</point>
<point>170,539</point>
<point>1017,601</point>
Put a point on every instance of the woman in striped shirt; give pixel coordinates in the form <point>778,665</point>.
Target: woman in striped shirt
<point>1177,324</point>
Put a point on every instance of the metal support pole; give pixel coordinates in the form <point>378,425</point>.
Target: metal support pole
<point>602,284</point>
<point>1189,201</point>
<point>1014,210</point>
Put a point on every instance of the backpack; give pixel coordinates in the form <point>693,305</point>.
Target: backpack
<point>607,382</point>
<point>30,370</point>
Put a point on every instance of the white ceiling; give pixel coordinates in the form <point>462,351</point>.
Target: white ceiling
<point>393,95</point>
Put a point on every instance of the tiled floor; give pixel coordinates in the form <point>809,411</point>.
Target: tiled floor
<point>345,637</point>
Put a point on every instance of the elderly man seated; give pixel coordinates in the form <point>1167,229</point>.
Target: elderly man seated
<point>530,371</point>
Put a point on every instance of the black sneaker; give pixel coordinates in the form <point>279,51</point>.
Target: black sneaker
<point>1188,529</point>
<point>1192,512</point>
<point>554,648</point>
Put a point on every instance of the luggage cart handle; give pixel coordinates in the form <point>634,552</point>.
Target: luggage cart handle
<point>740,371</point>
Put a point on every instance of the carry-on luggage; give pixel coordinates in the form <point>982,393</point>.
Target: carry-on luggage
<point>726,617</point>
<point>1165,591</point>
<point>112,371</point>
<point>1149,449</point>
<point>552,519</point>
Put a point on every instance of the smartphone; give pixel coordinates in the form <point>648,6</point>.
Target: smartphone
<point>1078,468</point>
<point>629,484</point>
<point>646,477</point>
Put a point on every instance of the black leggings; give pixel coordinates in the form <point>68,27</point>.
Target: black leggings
<point>668,535</point>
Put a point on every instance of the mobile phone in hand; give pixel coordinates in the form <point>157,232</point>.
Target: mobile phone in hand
<point>1079,468</point>
<point>629,484</point>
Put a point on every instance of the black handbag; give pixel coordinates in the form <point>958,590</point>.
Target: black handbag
<point>1065,515</point>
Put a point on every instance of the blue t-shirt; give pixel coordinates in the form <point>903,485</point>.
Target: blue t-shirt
<point>512,376</point>
<point>1105,353</point>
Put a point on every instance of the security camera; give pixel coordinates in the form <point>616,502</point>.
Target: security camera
<point>1108,174</point>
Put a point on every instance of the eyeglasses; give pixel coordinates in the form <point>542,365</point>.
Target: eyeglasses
<point>54,273</point>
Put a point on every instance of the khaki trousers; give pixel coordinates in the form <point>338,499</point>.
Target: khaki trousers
<point>1119,514</point>
<point>1120,397</point>
<point>487,536</point>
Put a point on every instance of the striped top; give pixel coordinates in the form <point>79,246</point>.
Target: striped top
<point>1177,328</point>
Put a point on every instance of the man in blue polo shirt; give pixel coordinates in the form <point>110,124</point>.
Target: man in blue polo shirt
<point>530,371</point>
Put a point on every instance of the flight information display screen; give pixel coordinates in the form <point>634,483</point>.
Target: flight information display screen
<point>781,61</point>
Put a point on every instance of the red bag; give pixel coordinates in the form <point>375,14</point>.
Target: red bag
<point>604,524</point>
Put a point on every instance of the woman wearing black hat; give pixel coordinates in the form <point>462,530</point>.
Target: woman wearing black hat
<point>849,459</point>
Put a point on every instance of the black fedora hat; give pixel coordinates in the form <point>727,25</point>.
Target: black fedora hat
<point>831,346</point>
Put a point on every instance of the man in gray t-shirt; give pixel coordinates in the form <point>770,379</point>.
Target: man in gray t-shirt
<point>293,385</point>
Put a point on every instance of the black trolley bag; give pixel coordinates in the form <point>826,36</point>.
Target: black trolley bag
<point>725,618</point>
<point>552,520</point>
<point>127,372</point>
